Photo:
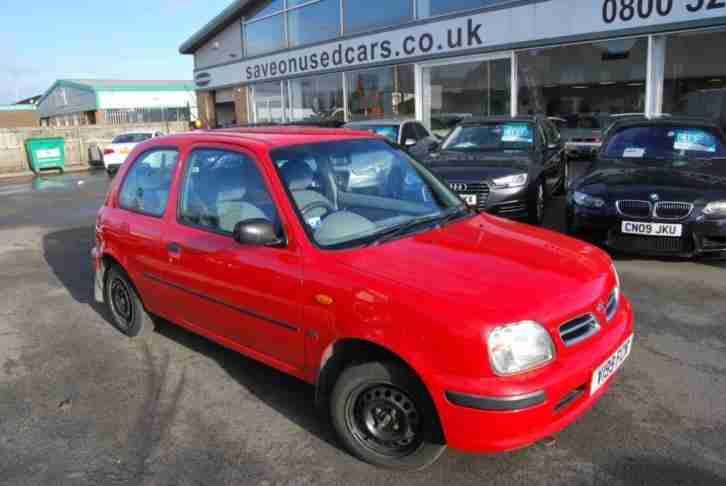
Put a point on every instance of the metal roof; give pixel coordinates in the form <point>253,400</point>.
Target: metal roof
<point>130,85</point>
<point>215,26</point>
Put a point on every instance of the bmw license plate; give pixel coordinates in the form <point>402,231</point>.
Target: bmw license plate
<point>652,229</point>
<point>610,366</point>
<point>470,199</point>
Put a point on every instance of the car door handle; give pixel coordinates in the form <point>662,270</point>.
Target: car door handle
<point>174,250</point>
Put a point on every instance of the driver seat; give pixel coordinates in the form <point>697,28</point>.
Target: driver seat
<point>299,177</point>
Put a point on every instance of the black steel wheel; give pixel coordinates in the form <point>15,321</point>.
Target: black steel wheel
<point>384,419</point>
<point>125,306</point>
<point>384,416</point>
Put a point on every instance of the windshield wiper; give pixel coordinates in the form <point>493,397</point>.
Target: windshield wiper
<point>440,220</point>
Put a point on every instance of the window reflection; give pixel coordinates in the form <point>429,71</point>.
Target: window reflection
<point>696,84</point>
<point>381,93</point>
<point>371,14</point>
<point>314,23</point>
<point>317,98</point>
<point>588,80</point>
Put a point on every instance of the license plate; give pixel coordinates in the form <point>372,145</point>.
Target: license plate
<point>652,229</point>
<point>610,366</point>
<point>470,199</point>
<point>124,151</point>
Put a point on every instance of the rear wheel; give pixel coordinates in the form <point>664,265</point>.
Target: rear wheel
<point>125,306</point>
<point>384,416</point>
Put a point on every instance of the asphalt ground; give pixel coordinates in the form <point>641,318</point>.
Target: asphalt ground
<point>81,404</point>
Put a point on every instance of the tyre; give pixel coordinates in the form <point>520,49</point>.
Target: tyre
<point>384,416</point>
<point>537,204</point>
<point>126,309</point>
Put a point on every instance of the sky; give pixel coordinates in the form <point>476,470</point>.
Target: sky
<point>45,40</point>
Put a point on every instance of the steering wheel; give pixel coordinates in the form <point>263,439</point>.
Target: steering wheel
<point>315,205</point>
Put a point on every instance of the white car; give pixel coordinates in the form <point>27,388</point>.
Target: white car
<point>121,146</point>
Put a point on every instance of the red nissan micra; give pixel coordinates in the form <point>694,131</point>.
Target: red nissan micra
<point>333,256</point>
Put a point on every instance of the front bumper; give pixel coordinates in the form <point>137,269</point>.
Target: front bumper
<point>700,236</point>
<point>502,414</point>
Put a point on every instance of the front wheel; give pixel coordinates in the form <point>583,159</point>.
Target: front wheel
<point>384,416</point>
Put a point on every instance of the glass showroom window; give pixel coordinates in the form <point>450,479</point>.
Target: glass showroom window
<point>584,84</point>
<point>452,92</point>
<point>315,22</point>
<point>365,15</point>
<point>265,35</point>
<point>317,98</point>
<point>431,8</point>
<point>696,84</point>
<point>267,103</point>
<point>381,93</point>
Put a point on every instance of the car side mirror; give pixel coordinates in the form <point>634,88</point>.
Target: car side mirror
<point>410,142</point>
<point>256,232</point>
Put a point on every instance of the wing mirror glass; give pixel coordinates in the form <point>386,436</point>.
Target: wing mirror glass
<point>410,142</point>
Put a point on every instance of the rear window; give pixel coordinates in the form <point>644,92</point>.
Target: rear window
<point>132,138</point>
<point>640,143</point>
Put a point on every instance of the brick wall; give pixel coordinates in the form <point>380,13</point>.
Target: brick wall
<point>20,118</point>
<point>77,141</point>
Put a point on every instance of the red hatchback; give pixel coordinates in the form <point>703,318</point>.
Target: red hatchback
<point>333,256</point>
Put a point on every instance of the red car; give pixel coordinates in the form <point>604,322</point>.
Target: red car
<point>333,256</point>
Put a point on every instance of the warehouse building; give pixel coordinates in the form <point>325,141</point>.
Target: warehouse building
<point>74,102</point>
<point>442,60</point>
<point>18,115</point>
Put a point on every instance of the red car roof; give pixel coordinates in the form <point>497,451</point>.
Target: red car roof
<point>283,136</point>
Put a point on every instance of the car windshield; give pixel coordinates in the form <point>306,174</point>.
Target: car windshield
<point>359,192</point>
<point>664,145</point>
<point>388,131</point>
<point>491,137</point>
<point>132,138</point>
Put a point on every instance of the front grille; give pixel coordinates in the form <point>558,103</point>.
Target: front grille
<point>634,209</point>
<point>512,207</point>
<point>481,189</point>
<point>673,210</point>
<point>577,330</point>
<point>570,398</point>
<point>649,244</point>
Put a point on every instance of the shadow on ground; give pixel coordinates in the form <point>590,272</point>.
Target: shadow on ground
<point>68,253</point>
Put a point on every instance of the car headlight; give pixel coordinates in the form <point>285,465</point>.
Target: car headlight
<point>517,180</point>
<point>520,347</point>
<point>583,199</point>
<point>614,299</point>
<point>716,208</point>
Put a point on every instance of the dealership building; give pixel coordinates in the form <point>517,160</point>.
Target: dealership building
<point>438,60</point>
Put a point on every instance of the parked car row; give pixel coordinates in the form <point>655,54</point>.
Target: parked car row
<point>655,186</point>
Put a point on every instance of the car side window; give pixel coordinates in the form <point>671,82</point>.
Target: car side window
<point>408,133</point>
<point>223,188</point>
<point>146,187</point>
